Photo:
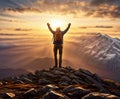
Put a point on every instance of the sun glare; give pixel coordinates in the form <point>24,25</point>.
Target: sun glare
<point>57,23</point>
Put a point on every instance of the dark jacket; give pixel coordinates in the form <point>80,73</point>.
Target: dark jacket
<point>63,32</point>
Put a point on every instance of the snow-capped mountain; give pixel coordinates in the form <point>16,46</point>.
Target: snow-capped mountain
<point>102,51</point>
<point>102,48</point>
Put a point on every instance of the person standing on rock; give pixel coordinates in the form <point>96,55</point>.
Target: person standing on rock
<point>58,42</point>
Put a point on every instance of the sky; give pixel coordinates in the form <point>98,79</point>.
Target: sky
<point>86,16</point>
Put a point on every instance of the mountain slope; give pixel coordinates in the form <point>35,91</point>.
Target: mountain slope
<point>59,83</point>
<point>102,52</point>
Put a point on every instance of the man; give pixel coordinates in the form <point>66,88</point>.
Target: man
<point>58,42</point>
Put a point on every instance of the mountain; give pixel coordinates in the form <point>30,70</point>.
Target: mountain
<point>102,52</point>
<point>59,83</point>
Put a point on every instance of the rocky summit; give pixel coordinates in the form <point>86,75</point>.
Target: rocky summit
<point>59,83</point>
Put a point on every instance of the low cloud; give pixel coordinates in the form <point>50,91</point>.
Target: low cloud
<point>15,29</point>
<point>20,29</point>
<point>9,20</point>
<point>85,27</point>
<point>21,10</point>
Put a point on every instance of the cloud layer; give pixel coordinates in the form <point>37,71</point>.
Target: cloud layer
<point>94,8</point>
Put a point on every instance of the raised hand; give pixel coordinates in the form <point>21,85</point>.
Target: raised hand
<point>48,23</point>
<point>69,24</point>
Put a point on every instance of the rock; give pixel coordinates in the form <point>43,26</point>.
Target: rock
<point>57,72</point>
<point>54,95</point>
<point>104,91</point>
<point>65,79</point>
<point>69,69</point>
<point>26,80</point>
<point>75,92</point>
<point>115,92</point>
<point>1,83</point>
<point>48,88</point>
<point>18,82</point>
<point>63,83</point>
<point>96,95</point>
<point>86,72</point>
<point>30,93</point>
<point>48,74</point>
<point>7,96</point>
<point>44,81</point>
<point>91,80</point>
<point>38,73</point>
<point>111,84</point>
<point>75,81</point>
<point>72,76</point>
<point>95,76</point>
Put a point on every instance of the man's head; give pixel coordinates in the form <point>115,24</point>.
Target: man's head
<point>58,29</point>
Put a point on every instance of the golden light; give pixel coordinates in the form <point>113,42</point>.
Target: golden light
<point>57,23</point>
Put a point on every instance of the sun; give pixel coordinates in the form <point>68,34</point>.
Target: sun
<point>57,23</point>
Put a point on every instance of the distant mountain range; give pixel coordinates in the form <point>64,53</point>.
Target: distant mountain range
<point>38,64</point>
<point>9,72</point>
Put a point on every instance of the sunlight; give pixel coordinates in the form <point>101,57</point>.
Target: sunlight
<point>57,23</point>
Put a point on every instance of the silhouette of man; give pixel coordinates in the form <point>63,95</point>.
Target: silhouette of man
<point>58,42</point>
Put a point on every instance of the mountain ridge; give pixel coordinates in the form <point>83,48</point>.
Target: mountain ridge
<point>59,83</point>
<point>101,52</point>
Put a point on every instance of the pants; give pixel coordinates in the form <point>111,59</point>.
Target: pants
<point>58,47</point>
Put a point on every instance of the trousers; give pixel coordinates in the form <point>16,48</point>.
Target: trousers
<point>58,47</point>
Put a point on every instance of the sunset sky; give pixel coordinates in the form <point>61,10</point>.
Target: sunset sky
<point>85,15</point>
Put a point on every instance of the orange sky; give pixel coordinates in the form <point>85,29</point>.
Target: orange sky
<point>86,16</point>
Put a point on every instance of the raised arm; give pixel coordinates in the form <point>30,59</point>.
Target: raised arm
<point>67,28</point>
<point>48,24</point>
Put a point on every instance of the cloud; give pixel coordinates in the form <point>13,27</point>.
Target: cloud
<point>15,29</point>
<point>20,29</point>
<point>21,10</point>
<point>94,8</point>
<point>85,27</point>
<point>104,8</point>
<point>4,46</point>
<point>9,20</point>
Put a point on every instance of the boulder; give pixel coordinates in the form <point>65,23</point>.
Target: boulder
<point>57,72</point>
<point>48,74</point>
<point>1,83</point>
<point>75,92</point>
<point>26,80</point>
<point>18,82</point>
<point>96,95</point>
<point>97,78</point>
<point>54,95</point>
<point>64,83</point>
<point>75,81</point>
<point>72,76</point>
<point>48,88</point>
<point>30,93</point>
<point>7,96</point>
<point>65,79</point>
<point>44,81</point>
<point>38,73</point>
<point>85,71</point>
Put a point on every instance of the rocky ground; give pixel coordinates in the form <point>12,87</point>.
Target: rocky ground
<point>59,83</point>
